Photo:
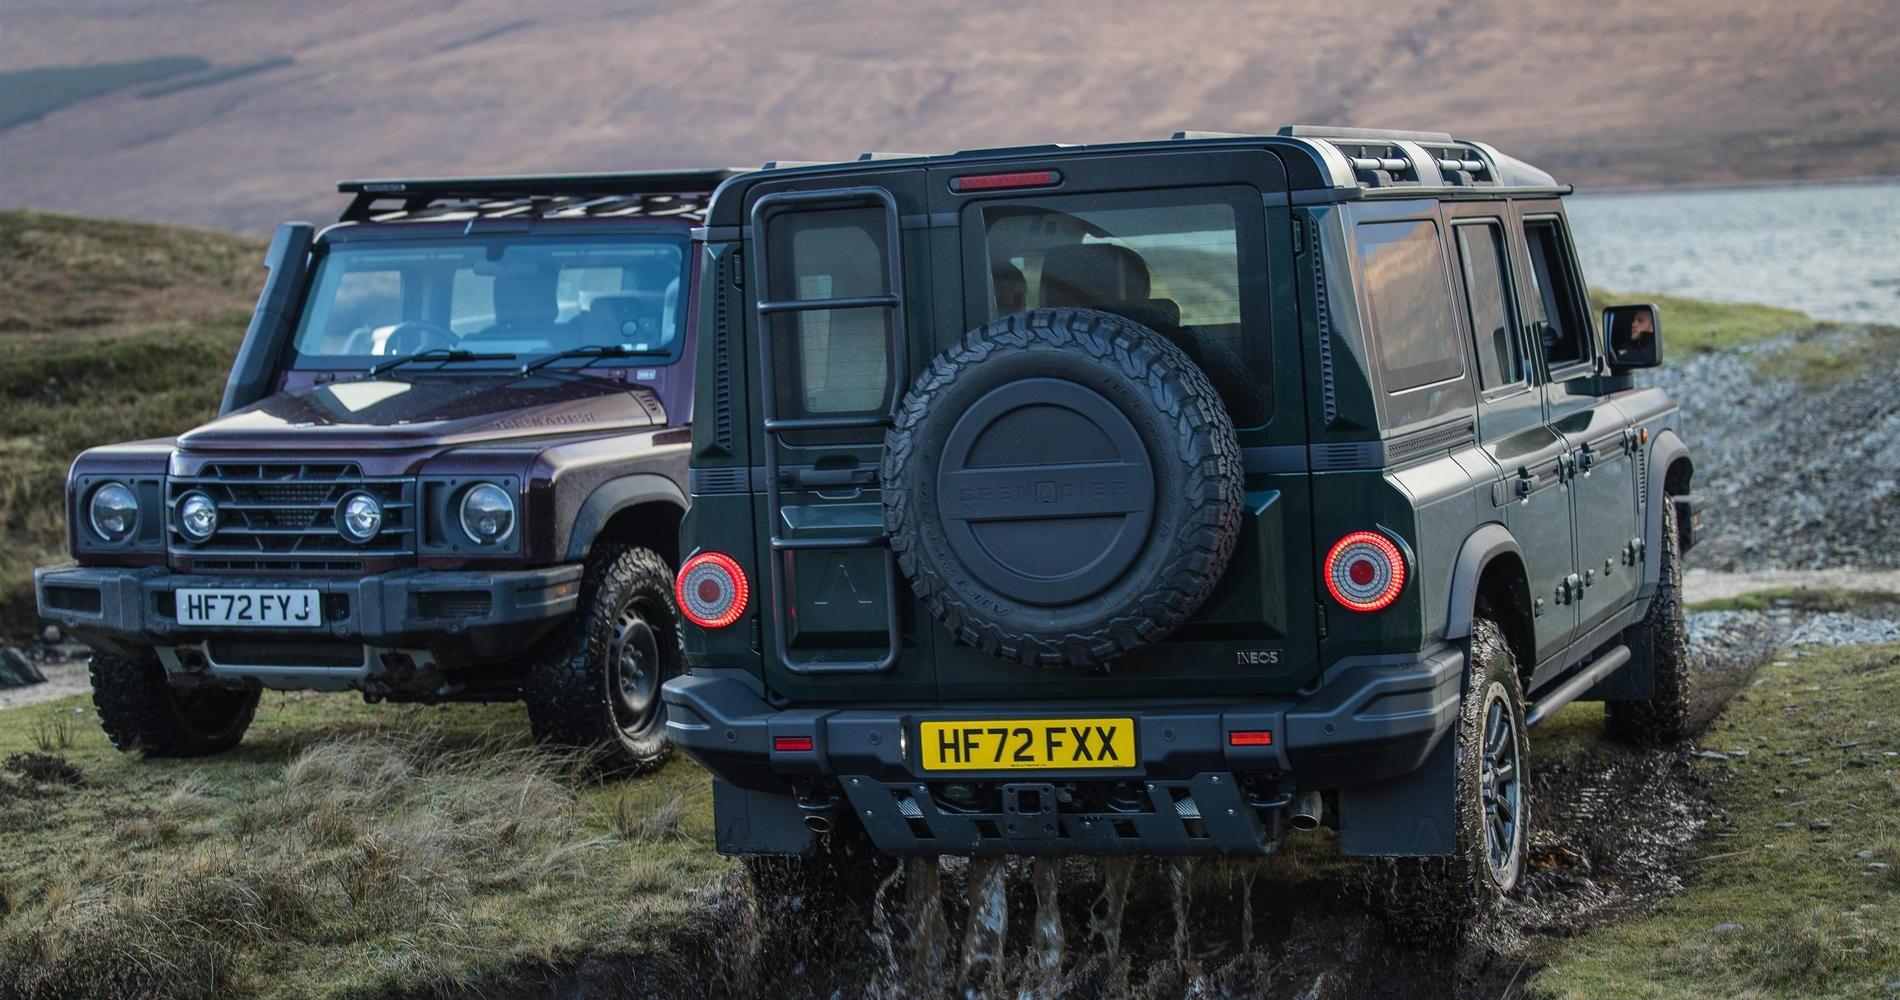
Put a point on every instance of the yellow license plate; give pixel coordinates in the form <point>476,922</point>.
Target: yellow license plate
<point>1028,744</point>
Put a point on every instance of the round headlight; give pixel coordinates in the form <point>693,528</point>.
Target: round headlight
<point>113,512</point>
<point>197,517</point>
<point>488,514</point>
<point>359,517</point>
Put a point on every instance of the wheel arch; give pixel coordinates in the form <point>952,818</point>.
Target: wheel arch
<point>1671,473</point>
<point>1489,577</point>
<point>641,509</point>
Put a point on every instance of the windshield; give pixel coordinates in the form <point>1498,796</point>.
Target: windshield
<point>524,296</point>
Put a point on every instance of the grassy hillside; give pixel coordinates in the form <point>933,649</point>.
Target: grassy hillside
<point>109,331</point>
<point>1672,91</point>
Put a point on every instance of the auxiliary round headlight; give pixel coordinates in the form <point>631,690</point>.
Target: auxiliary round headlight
<point>488,514</point>
<point>113,512</point>
<point>197,517</point>
<point>359,517</point>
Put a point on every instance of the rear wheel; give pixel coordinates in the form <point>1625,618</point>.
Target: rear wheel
<point>1438,900</point>
<point>140,710</point>
<point>1662,636</point>
<point>598,690</point>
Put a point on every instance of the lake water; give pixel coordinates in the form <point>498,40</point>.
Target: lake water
<point>1830,250</point>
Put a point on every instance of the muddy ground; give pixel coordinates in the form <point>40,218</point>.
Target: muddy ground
<point>1615,830</point>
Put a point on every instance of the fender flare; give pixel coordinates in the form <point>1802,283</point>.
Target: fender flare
<point>612,497</point>
<point>1664,451</point>
<point>1480,548</point>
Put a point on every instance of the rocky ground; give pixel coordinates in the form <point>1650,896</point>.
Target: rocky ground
<point>1796,442</point>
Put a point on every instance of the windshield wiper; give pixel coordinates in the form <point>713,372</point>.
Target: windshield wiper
<point>442,354</point>
<point>594,351</point>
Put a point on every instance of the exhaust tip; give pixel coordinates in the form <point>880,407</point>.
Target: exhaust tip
<point>818,824</point>
<point>1306,812</point>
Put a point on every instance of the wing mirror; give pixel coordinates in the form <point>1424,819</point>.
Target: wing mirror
<point>1632,336</point>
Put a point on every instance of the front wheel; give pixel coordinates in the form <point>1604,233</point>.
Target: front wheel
<point>1437,900</point>
<point>1662,637</point>
<point>140,710</point>
<point>598,689</point>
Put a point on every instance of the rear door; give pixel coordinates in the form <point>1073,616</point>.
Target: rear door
<point>836,268</point>
<point>1529,497</point>
<point>1212,232</point>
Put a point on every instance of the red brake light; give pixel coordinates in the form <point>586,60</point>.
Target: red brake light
<point>791,744</point>
<point>999,182</point>
<point>1250,738</point>
<point>1365,571</point>
<point>712,590</point>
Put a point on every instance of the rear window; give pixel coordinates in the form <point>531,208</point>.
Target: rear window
<point>1409,298</point>
<point>839,359</point>
<point>1170,260</point>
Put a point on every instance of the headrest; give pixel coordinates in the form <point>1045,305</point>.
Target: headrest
<point>622,318</point>
<point>1093,275</point>
<point>526,298</point>
<point>1009,287</point>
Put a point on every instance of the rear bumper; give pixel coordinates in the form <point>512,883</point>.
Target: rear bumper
<point>392,633</point>
<point>1190,792</point>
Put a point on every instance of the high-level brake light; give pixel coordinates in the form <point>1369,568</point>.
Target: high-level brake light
<point>1003,182</point>
<point>712,590</point>
<point>1365,571</point>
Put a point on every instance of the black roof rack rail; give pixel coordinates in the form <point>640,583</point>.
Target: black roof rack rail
<point>1362,134</point>
<point>417,194</point>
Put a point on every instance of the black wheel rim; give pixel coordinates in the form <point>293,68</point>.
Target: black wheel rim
<point>1501,786</point>
<point>636,666</point>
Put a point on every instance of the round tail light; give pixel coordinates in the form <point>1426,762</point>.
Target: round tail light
<point>712,590</point>
<point>1365,571</point>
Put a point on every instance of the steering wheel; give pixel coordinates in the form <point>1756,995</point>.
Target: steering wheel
<point>413,336</point>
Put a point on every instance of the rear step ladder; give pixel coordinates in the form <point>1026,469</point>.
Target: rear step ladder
<point>891,299</point>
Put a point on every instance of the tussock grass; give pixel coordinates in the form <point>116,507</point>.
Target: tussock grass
<point>342,850</point>
<point>1792,903</point>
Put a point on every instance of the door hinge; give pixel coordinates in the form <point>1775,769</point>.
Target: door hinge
<point>1319,617</point>
<point>1299,236</point>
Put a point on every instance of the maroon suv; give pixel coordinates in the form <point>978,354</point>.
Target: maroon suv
<point>450,465</point>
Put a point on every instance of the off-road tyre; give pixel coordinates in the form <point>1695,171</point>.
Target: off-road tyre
<point>1438,902</point>
<point>1191,451</point>
<point>1662,635</point>
<point>574,693</point>
<point>140,710</point>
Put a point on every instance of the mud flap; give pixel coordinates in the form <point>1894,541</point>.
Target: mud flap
<point>750,822</point>
<point>1406,816</point>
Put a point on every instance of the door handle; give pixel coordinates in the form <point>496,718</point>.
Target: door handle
<point>823,478</point>
<point>1526,483</point>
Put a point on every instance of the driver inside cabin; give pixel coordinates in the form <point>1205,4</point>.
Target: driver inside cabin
<point>1632,332</point>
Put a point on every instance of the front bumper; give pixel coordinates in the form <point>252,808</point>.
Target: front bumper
<point>1191,792</point>
<point>391,633</point>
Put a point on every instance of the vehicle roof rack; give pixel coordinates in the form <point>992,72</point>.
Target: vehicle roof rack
<point>1361,134</point>
<point>656,192</point>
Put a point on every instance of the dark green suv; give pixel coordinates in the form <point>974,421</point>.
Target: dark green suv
<point>1159,497</point>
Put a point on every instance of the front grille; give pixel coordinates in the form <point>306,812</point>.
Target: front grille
<point>282,516</point>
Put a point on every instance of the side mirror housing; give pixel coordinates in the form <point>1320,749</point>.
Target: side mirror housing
<point>1632,336</point>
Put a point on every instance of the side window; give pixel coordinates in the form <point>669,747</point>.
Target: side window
<point>1169,260</point>
<point>1487,301</point>
<point>1410,301</point>
<point>831,361</point>
<point>1558,313</point>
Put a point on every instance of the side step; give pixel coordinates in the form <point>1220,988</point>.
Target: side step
<point>1567,692</point>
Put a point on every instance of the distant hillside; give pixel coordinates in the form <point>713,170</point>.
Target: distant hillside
<point>109,331</point>
<point>297,95</point>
